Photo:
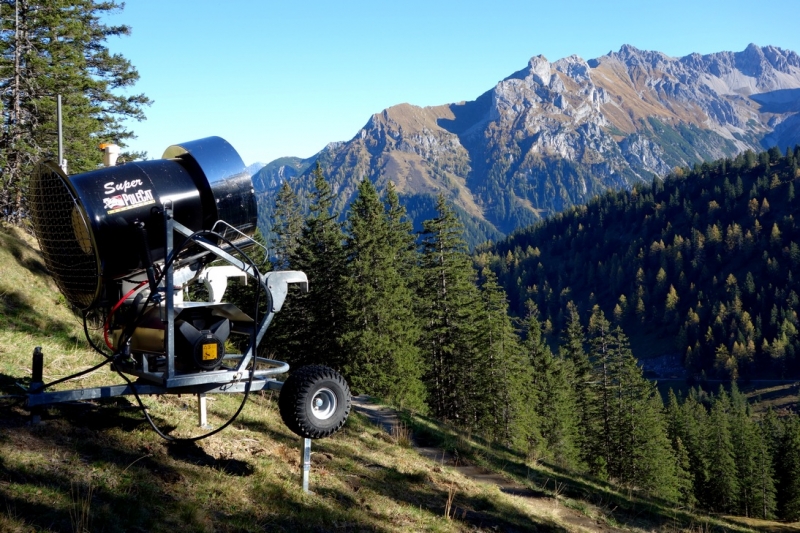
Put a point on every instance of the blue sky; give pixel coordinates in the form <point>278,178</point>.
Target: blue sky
<point>285,78</point>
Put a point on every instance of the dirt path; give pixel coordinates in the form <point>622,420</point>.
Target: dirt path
<point>387,419</point>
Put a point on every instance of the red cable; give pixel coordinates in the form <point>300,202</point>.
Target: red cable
<point>114,309</point>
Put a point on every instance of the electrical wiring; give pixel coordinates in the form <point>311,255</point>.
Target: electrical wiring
<point>82,372</point>
<point>125,337</point>
<point>107,321</point>
<point>230,420</point>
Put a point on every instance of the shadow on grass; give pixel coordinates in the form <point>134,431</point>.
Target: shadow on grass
<point>190,452</point>
<point>17,249</point>
<point>17,313</point>
<point>416,489</point>
<point>26,489</point>
<point>136,482</point>
<point>139,483</point>
<point>618,505</point>
<point>362,478</point>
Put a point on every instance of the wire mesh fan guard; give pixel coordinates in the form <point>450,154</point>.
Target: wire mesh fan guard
<point>64,236</point>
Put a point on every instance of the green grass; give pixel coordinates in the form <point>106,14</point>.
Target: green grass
<point>99,467</point>
<point>606,504</point>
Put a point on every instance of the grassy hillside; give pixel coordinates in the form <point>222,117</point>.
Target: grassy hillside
<point>99,467</point>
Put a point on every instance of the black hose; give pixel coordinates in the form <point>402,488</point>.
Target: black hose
<point>127,333</point>
<point>252,347</point>
<point>43,386</point>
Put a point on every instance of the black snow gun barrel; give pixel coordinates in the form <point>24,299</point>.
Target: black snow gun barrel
<point>90,226</point>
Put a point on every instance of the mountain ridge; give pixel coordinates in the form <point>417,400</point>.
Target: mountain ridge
<point>554,134</point>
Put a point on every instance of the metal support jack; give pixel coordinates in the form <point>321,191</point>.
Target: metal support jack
<point>306,464</point>
<point>202,413</point>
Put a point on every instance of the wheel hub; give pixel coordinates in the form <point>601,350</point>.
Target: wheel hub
<point>323,405</point>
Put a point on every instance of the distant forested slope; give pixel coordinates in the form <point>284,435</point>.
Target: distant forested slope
<point>702,263</point>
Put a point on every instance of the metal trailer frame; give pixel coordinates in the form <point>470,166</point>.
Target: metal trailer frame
<point>169,381</point>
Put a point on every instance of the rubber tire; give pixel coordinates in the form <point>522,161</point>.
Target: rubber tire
<point>299,390</point>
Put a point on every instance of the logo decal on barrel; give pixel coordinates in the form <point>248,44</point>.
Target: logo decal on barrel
<point>125,201</point>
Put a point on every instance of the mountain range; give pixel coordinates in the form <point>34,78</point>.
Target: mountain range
<point>555,134</point>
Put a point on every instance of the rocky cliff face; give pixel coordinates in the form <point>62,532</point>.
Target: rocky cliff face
<point>555,134</point>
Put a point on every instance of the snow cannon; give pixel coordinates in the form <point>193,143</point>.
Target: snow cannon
<point>126,244</point>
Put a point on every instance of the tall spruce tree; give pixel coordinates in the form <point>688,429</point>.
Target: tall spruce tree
<point>555,402</point>
<point>789,469</point>
<point>764,491</point>
<point>697,433</point>
<point>579,372</point>
<point>602,431</point>
<point>449,300</point>
<point>287,226</point>
<point>772,430</point>
<point>722,488</point>
<point>51,48</point>
<point>308,330</point>
<point>632,435</point>
<point>501,396</point>
<point>749,457</point>
<point>381,333</point>
<point>677,430</point>
<point>402,240</point>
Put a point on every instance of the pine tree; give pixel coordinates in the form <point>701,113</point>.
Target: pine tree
<point>679,427</point>
<point>449,300</point>
<point>696,437</point>
<point>789,469</point>
<point>723,480</point>
<point>764,485</point>
<point>603,362</point>
<point>381,333</point>
<point>753,462</point>
<point>502,397</point>
<point>653,466</point>
<point>635,428</point>
<point>287,226</point>
<point>401,235</point>
<point>52,48</point>
<point>555,402</point>
<point>309,328</point>
<point>579,370</point>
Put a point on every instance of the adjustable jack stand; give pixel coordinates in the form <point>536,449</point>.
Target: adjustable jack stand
<point>37,374</point>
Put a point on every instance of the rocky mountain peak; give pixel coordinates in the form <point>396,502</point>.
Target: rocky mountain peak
<point>555,133</point>
<point>633,57</point>
<point>574,67</point>
<point>539,69</point>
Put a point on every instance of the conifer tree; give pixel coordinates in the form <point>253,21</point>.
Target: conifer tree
<point>756,486</point>
<point>500,381</point>
<point>634,430</point>
<point>677,430</point>
<point>696,437</point>
<point>402,240</point>
<point>789,471</point>
<point>449,300</point>
<point>603,433</point>
<point>381,332</point>
<point>764,485</point>
<point>52,48</point>
<point>309,328</point>
<point>653,465</point>
<point>579,370</point>
<point>287,226</point>
<point>555,402</point>
<point>723,480</point>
